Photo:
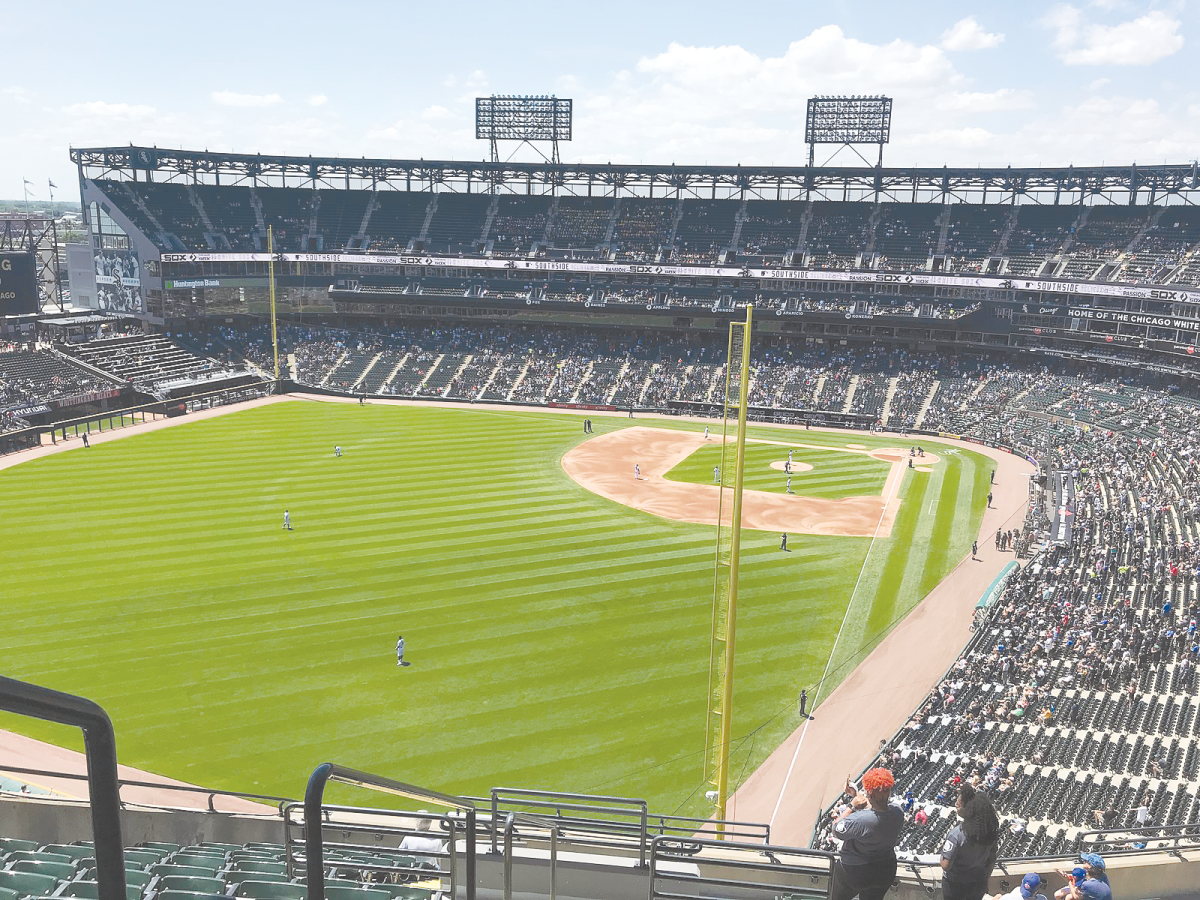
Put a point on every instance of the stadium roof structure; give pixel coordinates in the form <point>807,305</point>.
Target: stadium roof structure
<point>1067,185</point>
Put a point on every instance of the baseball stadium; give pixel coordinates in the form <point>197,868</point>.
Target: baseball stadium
<point>384,529</point>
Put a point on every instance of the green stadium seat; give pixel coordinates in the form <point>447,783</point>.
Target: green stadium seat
<point>158,845</point>
<point>262,855</point>
<point>8,845</point>
<point>190,883</point>
<point>183,895</point>
<point>60,870</point>
<point>71,851</point>
<point>37,856</point>
<point>171,868</point>
<point>238,877</point>
<point>271,890</point>
<point>362,892</point>
<point>224,848</point>
<point>403,892</point>
<point>27,883</point>
<point>251,866</point>
<point>144,857</point>
<point>259,845</point>
<point>200,860</point>
<point>137,877</point>
<point>8,894</point>
<point>90,890</point>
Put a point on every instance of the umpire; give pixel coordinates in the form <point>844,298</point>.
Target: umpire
<point>866,866</point>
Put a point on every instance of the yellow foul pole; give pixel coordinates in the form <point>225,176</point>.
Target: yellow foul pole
<point>724,619</point>
<point>271,281</point>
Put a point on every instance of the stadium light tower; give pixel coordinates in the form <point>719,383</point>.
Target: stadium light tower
<point>506,117</point>
<point>848,121</point>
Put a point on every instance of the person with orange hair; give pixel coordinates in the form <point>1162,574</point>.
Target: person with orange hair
<point>868,830</point>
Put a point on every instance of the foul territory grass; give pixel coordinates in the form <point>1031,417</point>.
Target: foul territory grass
<point>557,640</point>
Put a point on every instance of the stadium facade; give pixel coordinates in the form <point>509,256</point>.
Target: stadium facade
<point>1090,263</point>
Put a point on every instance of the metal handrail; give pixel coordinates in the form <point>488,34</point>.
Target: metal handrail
<point>810,865</point>
<point>510,820</point>
<point>100,749</point>
<point>314,838</point>
<point>213,793</point>
<point>579,802</point>
<point>1176,835</point>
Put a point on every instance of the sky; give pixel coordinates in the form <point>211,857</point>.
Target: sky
<point>1021,83</point>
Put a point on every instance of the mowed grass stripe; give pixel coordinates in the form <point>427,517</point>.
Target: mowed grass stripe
<point>559,640</point>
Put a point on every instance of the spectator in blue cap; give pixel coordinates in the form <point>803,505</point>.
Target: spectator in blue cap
<point>1026,890</point>
<point>1096,868</point>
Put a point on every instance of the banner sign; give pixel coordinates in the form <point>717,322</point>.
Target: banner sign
<point>18,284</point>
<point>22,412</point>
<point>1062,518</point>
<point>1130,318</point>
<point>538,266</point>
<point>88,397</point>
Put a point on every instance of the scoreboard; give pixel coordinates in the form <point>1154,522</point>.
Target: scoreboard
<point>18,283</point>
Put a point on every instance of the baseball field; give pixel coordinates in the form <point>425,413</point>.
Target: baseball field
<point>557,638</point>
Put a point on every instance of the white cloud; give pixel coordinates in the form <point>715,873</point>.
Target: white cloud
<point>435,112</point>
<point>690,104</point>
<point>317,100</point>
<point>994,101</point>
<point>1099,83</point>
<point>17,95</point>
<point>231,98</point>
<point>99,109</point>
<point>1138,42</point>
<point>968,34</point>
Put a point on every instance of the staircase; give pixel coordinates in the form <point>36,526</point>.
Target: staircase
<point>876,215</point>
<point>849,404</point>
<point>369,367</point>
<point>817,390</point>
<point>429,212</point>
<point>312,221</point>
<point>260,221</point>
<point>360,237</point>
<point>549,222</point>
<point>493,208</point>
<point>738,221</point>
<point>805,221</point>
<point>1079,223</point>
<point>646,384</point>
<point>944,234</point>
<point>612,392</point>
<point>517,383</point>
<point>582,381</point>
<point>887,400</point>
<point>919,421</point>
<point>612,224</point>
<point>334,367</point>
<point>437,362</point>
<point>714,384</point>
<point>488,383</point>
<point>392,374</point>
<point>674,229</point>
<point>457,372</point>
<point>196,202</point>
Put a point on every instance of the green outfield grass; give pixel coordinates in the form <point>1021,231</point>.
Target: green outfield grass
<point>558,640</point>
<point>834,475</point>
